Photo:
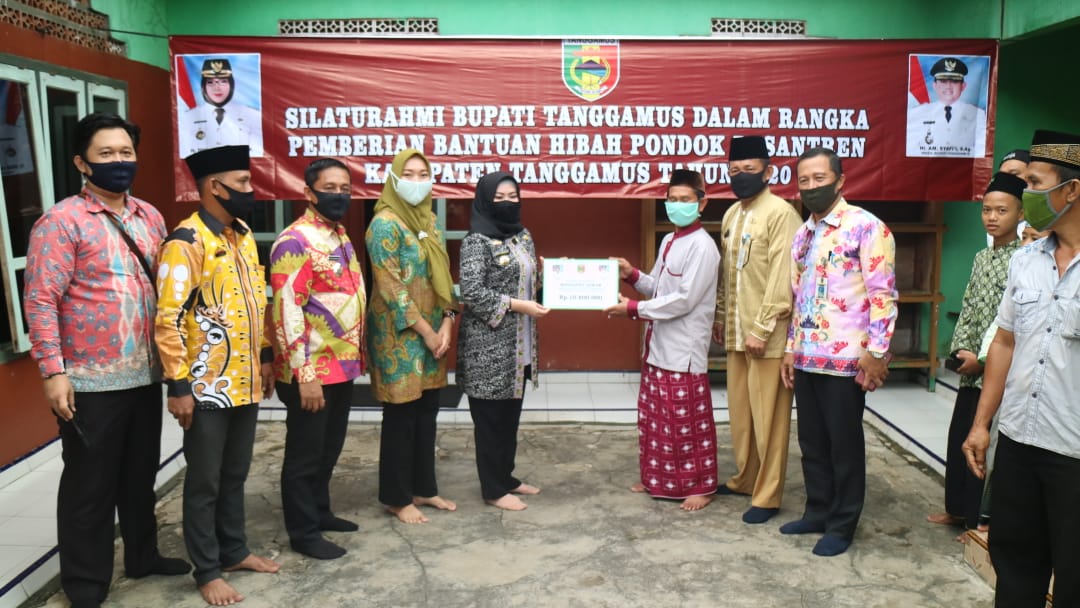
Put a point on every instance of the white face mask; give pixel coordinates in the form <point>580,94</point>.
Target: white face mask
<point>413,192</point>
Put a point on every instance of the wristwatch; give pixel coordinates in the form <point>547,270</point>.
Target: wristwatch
<point>449,314</point>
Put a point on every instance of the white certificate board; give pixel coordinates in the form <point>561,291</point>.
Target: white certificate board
<point>580,283</point>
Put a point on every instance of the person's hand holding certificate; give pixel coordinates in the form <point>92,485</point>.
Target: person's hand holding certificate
<point>580,284</point>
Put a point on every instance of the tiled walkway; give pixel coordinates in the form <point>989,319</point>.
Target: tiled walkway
<point>907,413</point>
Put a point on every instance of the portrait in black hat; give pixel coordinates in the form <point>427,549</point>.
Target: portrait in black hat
<point>946,106</point>
<point>219,102</point>
<point>949,68</point>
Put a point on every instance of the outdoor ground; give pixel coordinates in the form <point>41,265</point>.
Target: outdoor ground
<point>585,540</point>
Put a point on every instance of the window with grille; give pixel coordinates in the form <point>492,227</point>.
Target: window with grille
<point>758,28</point>
<point>358,27</point>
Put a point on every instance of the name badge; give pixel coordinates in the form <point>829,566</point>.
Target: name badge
<point>744,251</point>
<point>822,291</point>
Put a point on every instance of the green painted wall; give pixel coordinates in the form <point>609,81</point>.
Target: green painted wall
<point>830,18</point>
<point>1032,94</point>
<point>1023,17</point>
<point>147,17</point>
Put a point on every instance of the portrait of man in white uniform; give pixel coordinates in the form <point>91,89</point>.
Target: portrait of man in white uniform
<point>224,114</point>
<point>948,118</point>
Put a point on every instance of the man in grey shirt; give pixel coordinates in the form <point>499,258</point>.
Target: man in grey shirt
<point>1031,374</point>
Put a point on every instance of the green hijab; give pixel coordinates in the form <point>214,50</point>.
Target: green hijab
<point>420,219</point>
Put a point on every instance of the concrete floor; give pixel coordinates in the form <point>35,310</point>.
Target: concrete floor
<point>585,541</point>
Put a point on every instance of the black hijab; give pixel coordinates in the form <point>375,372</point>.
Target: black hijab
<point>484,218</point>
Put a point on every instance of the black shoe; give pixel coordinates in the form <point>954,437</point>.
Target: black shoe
<point>165,566</point>
<point>319,548</point>
<point>723,490</point>
<point>802,526</point>
<point>759,515</point>
<point>336,524</point>
<point>85,604</point>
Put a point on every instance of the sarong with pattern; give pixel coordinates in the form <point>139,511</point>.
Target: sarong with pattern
<point>677,434</point>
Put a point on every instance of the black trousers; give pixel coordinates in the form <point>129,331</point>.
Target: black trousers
<point>963,490</point>
<point>313,443</point>
<point>495,427</point>
<point>218,452</point>
<point>1035,528</point>
<point>113,475</point>
<point>833,450</point>
<point>407,450</point>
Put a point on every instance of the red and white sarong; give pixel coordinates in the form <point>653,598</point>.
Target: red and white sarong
<point>676,434</point>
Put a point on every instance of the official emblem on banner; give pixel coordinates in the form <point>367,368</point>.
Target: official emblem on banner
<point>590,67</point>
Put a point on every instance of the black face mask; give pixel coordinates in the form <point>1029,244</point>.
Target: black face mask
<point>818,200</point>
<point>507,213</point>
<point>112,177</point>
<point>240,205</point>
<point>332,205</point>
<point>747,185</point>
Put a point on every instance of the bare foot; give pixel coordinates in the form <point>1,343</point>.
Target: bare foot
<point>408,514</point>
<point>219,593</point>
<point>435,501</point>
<point>944,519</point>
<point>255,563</point>
<point>638,488</point>
<point>963,539</point>
<point>526,489</point>
<point>508,502</point>
<point>695,503</point>
<point>983,527</point>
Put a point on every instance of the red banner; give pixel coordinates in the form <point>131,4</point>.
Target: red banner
<point>590,117</point>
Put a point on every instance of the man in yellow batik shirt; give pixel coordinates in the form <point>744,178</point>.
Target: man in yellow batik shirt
<point>217,362</point>
<point>753,309</point>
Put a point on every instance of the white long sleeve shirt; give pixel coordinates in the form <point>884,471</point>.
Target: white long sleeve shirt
<point>682,301</point>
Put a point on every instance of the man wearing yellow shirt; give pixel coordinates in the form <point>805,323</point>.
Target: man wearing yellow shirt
<point>753,308</point>
<point>217,363</point>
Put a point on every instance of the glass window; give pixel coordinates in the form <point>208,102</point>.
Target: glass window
<point>104,104</point>
<point>20,167</point>
<point>38,114</point>
<point>63,112</point>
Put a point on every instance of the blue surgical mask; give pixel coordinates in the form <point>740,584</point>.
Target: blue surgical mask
<point>412,192</point>
<point>1037,208</point>
<point>682,214</point>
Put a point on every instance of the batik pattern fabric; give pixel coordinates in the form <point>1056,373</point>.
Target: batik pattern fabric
<point>844,280</point>
<point>989,273</point>
<point>89,304</point>
<point>676,434</point>
<point>400,363</point>
<point>210,328</point>
<point>319,301</point>
<point>495,344</point>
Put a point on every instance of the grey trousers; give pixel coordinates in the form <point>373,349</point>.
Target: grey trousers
<point>218,452</point>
